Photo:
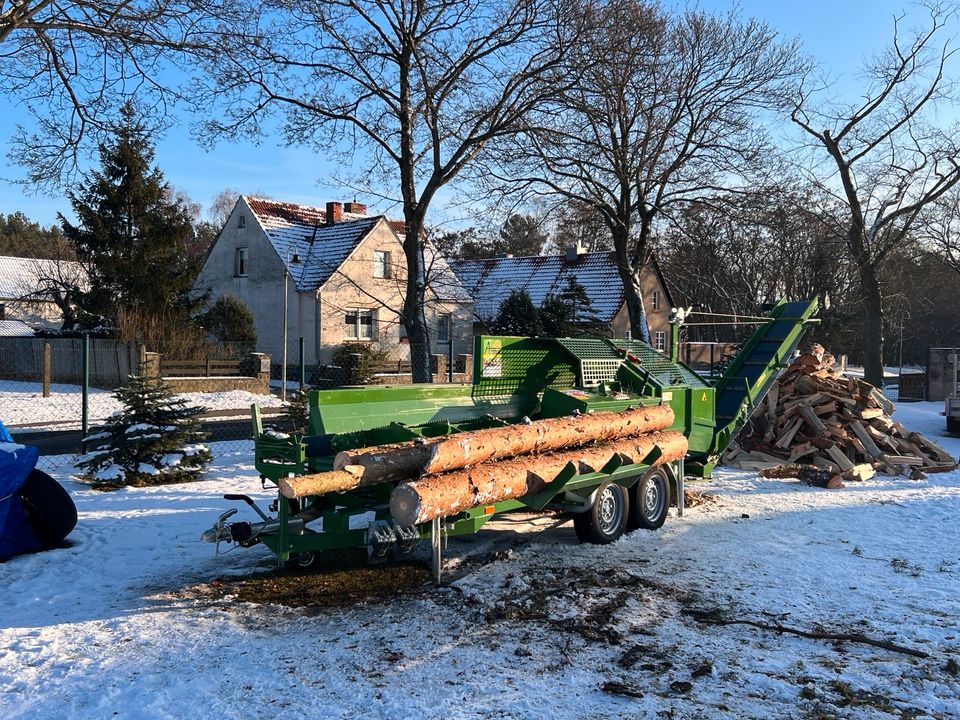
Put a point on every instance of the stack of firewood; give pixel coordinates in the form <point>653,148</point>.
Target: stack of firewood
<point>819,426</point>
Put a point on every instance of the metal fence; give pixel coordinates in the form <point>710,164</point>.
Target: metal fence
<point>52,389</point>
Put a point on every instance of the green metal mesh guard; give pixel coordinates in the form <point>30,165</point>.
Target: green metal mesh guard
<point>599,360</point>
<point>659,366</point>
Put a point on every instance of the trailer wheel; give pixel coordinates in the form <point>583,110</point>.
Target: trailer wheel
<point>49,507</point>
<point>607,519</point>
<point>953,425</point>
<point>303,561</point>
<point>650,501</point>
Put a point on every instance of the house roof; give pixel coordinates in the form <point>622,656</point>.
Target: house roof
<point>21,277</point>
<point>491,280</point>
<point>302,229</point>
<point>15,328</point>
<point>293,228</point>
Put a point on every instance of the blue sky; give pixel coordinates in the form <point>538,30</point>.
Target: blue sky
<point>838,33</point>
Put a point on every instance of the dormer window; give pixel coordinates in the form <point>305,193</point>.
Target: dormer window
<point>655,301</point>
<point>242,221</point>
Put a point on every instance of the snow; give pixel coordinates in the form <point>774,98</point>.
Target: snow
<point>23,406</point>
<point>534,627</point>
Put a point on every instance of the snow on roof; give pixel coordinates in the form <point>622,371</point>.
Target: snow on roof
<point>490,280</point>
<point>302,229</point>
<point>15,328</point>
<point>20,277</point>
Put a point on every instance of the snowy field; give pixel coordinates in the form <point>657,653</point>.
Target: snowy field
<point>22,404</point>
<point>118,625</point>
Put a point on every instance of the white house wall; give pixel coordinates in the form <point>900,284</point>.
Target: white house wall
<point>260,289</point>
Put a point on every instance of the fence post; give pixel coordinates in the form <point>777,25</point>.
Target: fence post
<point>85,393</point>
<point>208,366</point>
<point>450,357</point>
<point>303,369</point>
<point>47,358</point>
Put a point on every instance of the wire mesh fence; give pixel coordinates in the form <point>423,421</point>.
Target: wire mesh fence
<point>49,393</point>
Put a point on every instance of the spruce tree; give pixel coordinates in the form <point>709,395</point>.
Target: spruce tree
<point>156,439</point>
<point>518,316</point>
<point>131,233</point>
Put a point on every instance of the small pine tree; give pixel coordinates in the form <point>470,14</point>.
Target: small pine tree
<point>556,314</point>
<point>296,411</point>
<point>575,295</point>
<point>518,316</point>
<point>154,440</point>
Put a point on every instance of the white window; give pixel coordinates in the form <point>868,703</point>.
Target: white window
<point>242,221</point>
<point>443,327</point>
<point>381,264</point>
<point>655,301</point>
<point>359,324</point>
<point>240,262</point>
<point>660,341</point>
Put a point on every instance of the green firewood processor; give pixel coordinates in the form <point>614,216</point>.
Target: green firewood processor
<point>516,381</point>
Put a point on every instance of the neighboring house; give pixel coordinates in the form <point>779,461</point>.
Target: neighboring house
<point>347,277</point>
<point>490,280</point>
<point>29,288</point>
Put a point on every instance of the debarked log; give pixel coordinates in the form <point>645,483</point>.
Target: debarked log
<point>461,450</point>
<point>447,494</point>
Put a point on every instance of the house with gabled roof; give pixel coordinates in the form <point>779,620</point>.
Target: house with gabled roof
<point>32,290</point>
<point>346,279</point>
<point>490,280</point>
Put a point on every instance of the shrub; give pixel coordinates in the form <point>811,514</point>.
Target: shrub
<point>360,360</point>
<point>229,320</point>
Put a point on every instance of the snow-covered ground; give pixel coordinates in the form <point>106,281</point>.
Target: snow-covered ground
<point>116,624</point>
<point>22,404</point>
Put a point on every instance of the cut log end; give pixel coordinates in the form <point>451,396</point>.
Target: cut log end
<point>405,505</point>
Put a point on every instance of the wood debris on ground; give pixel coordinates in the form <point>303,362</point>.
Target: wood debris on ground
<point>825,429</point>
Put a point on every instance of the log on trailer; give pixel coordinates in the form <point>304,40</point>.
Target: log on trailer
<point>406,461</point>
<point>443,495</point>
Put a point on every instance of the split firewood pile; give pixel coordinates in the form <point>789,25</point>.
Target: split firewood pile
<point>823,428</point>
<point>442,476</point>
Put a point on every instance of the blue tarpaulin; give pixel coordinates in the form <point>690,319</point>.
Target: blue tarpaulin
<point>16,463</point>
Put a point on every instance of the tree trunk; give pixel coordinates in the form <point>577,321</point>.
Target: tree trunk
<point>632,290</point>
<point>444,495</point>
<point>402,462</point>
<point>413,317</point>
<point>872,323</point>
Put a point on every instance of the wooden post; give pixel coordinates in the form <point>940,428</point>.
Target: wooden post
<point>47,358</point>
<point>208,366</point>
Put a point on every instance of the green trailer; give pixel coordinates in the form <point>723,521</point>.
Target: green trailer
<point>514,379</point>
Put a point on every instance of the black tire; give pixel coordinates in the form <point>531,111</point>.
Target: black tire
<point>953,425</point>
<point>49,507</point>
<point>607,519</point>
<point>650,501</point>
<point>303,561</point>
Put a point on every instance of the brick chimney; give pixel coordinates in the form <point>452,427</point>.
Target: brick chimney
<point>574,251</point>
<point>334,213</point>
<point>355,208</point>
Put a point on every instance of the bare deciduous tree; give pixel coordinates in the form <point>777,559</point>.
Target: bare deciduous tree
<point>419,87</point>
<point>72,64</point>
<point>662,112</point>
<point>886,157</point>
